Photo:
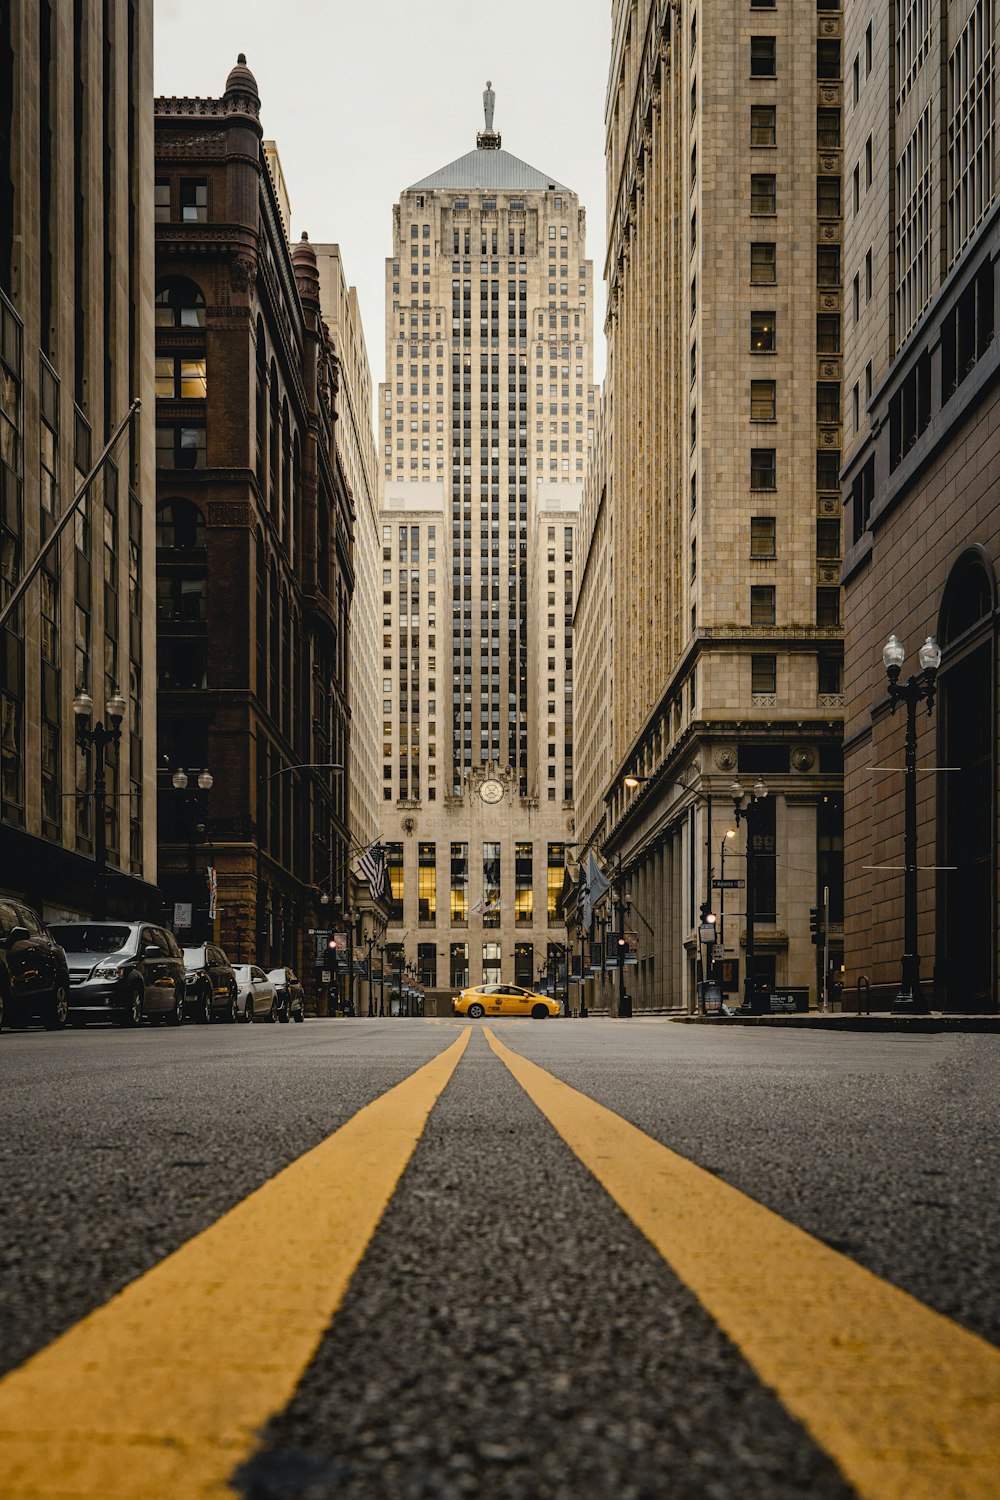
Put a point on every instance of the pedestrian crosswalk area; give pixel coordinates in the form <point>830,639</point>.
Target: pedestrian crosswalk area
<point>904,1402</point>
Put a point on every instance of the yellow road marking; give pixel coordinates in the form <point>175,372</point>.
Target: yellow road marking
<point>904,1400</point>
<point>162,1391</point>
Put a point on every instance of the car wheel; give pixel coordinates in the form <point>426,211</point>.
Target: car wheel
<point>175,1017</point>
<point>205,1012</point>
<point>233,1010</point>
<point>297,1015</point>
<point>475,1011</point>
<point>283,1014</point>
<point>56,1013</point>
<point>133,1011</point>
<point>248,1013</point>
<point>272,1014</point>
<point>539,1013</point>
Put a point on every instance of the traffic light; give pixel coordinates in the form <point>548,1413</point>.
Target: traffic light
<point>707,914</point>
<point>814,924</point>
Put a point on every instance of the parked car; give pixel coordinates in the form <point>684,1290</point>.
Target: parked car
<point>122,971</point>
<point>256,996</point>
<point>212,991</point>
<point>290,994</point>
<point>34,976</point>
<point>503,1000</point>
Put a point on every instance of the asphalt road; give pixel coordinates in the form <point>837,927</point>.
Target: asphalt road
<point>509,1331</point>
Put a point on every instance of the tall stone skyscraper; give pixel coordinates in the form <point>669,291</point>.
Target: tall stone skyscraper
<point>486,417</point>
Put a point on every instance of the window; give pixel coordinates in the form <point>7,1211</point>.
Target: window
<point>762,468</point>
<point>763,193</point>
<point>827,333</point>
<point>458,966</point>
<point>554,879</point>
<point>763,56</point>
<point>179,304</point>
<point>762,536</point>
<point>427,883</point>
<point>830,673</point>
<point>459,885</point>
<point>828,129</point>
<point>161,202</point>
<point>763,674</point>
<point>827,606</point>
<point>762,400</point>
<point>523,885</point>
<point>394,880</point>
<point>491,963</point>
<point>828,539</point>
<point>491,884</point>
<point>762,605</point>
<point>194,201</point>
<point>180,378</point>
<point>180,447</point>
<point>763,124</point>
<point>828,197</point>
<point>180,525</point>
<point>828,59</point>
<point>763,263</point>
<point>827,265</point>
<point>828,401</point>
<point>828,468</point>
<point>762,333</point>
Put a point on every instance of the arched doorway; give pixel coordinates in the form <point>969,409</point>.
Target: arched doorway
<point>967,817</point>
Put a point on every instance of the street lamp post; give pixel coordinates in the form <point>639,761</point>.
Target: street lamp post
<point>380,950</point>
<point>369,944</point>
<point>730,833</point>
<point>100,736</point>
<point>624,998</point>
<point>747,808</point>
<point>179,781</point>
<point>919,688</point>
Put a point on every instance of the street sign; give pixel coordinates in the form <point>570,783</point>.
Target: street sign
<point>182,914</point>
<point>728,885</point>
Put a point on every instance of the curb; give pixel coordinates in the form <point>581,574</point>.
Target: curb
<point>930,1023</point>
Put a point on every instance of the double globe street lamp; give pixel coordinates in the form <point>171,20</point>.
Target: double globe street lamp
<point>921,687</point>
<point>98,737</point>
<point>196,825</point>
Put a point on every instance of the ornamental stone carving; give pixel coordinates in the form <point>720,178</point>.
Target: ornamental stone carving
<point>802,758</point>
<point>243,272</point>
<point>725,758</point>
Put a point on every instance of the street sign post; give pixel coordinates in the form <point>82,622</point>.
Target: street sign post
<point>727,885</point>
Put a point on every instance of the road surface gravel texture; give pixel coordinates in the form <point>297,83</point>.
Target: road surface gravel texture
<point>509,1332</point>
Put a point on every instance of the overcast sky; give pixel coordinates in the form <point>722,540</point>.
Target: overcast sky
<point>365,98</point>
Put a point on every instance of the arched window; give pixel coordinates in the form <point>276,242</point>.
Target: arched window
<point>261,402</point>
<point>273,442</point>
<point>286,463</point>
<point>179,304</point>
<point>180,525</point>
<point>968,596</point>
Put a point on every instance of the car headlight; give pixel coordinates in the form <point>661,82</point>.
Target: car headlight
<point>109,971</point>
<point>193,978</point>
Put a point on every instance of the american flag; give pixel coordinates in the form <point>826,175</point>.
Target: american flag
<point>372,867</point>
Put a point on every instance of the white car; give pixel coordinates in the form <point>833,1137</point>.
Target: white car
<point>256,995</point>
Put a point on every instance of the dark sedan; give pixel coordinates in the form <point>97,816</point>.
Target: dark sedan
<point>34,979</point>
<point>211,984</point>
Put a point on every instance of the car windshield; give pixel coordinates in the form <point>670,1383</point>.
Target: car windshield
<point>95,938</point>
<point>243,970</point>
<point>194,958</point>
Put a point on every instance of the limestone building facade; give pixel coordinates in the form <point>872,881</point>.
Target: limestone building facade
<point>921,362</point>
<point>724,318</point>
<point>76,347</point>
<point>358,455</point>
<point>486,417</point>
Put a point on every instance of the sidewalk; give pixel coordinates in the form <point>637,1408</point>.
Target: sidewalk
<point>851,1021</point>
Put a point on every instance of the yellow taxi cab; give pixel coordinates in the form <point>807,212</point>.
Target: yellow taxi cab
<point>503,1000</point>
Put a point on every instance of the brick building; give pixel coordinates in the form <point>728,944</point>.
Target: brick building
<point>254,543</point>
<point>922,466</point>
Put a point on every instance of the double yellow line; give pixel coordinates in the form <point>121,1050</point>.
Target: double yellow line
<point>163,1391</point>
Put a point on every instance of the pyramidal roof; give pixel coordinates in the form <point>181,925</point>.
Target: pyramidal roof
<point>488,169</point>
